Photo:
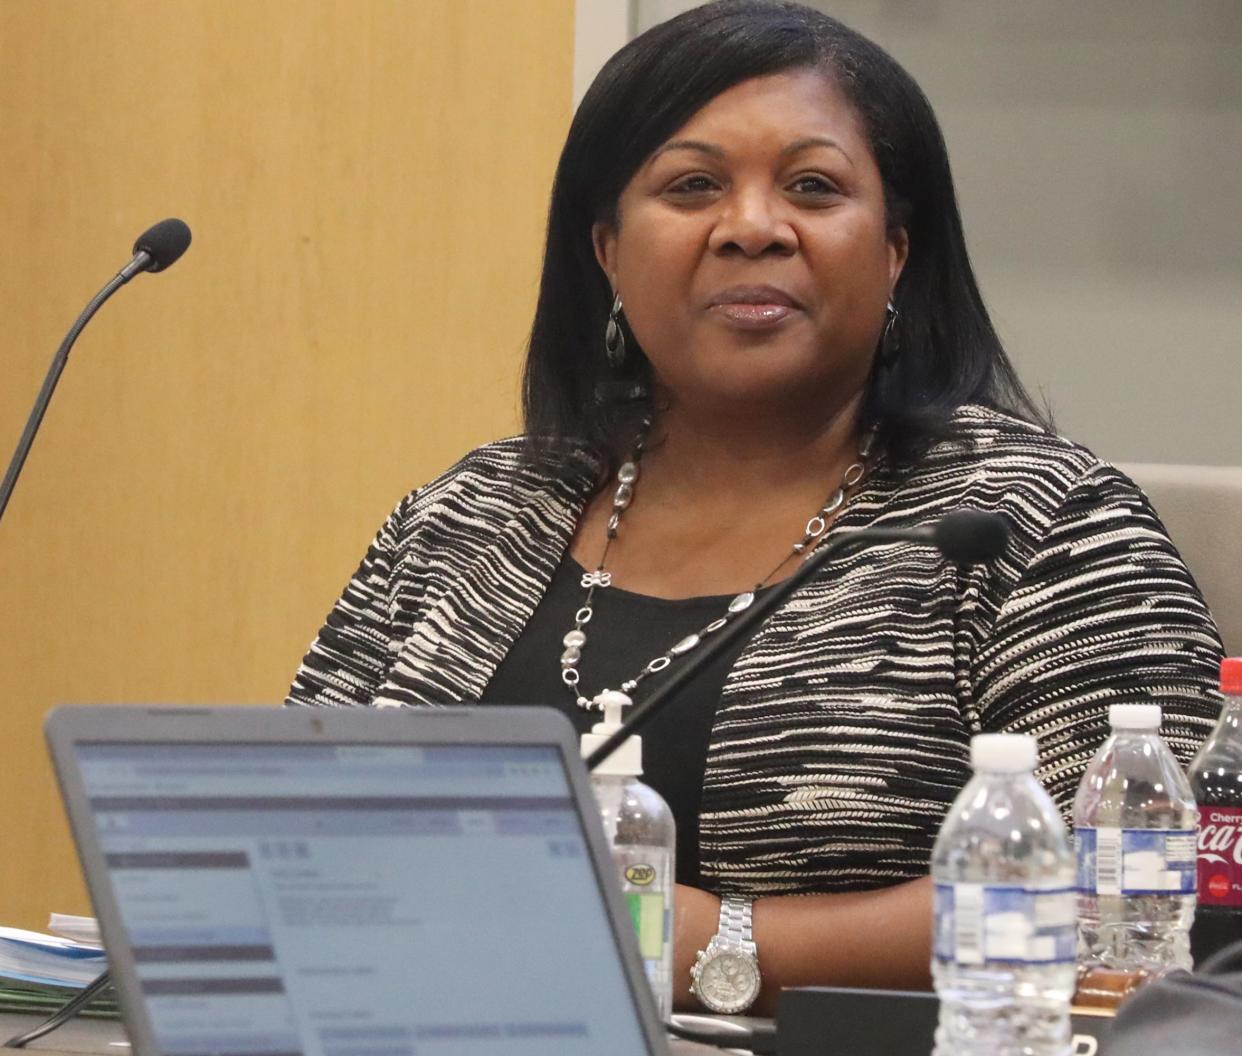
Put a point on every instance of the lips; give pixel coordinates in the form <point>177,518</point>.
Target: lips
<point>753,307</point>
<point>754,295</point>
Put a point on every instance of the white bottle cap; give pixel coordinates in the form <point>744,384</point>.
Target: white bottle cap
<point>1134,716</point>
<point>1009,753</point>
<point>627,759</point>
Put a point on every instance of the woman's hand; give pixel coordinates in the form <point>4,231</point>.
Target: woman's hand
<point>879,938</point>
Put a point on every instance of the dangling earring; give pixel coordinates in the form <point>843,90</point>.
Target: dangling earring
<point>614,339</point>
<point>890,346</point>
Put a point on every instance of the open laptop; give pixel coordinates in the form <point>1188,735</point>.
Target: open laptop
<point>352,883</point>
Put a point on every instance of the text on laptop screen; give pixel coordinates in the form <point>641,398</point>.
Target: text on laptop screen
<point>357,900</point>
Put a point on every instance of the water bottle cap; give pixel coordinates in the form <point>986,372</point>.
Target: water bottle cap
<point>1010,753</point>
<point>1231,675</point>
<point>1134,716</point>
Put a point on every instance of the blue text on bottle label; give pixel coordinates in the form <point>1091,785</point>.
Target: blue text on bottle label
<point>986,923</point>
<point>1115,861</point>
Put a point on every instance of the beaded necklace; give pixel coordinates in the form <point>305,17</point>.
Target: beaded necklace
<point>575,640</point>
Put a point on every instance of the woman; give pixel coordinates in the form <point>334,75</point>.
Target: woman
<point>758,328</point>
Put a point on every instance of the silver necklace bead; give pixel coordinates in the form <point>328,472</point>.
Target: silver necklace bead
<point>742,602</point>
<point>685,645</point>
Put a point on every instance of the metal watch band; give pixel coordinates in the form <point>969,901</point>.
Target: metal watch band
<point>735,922</point>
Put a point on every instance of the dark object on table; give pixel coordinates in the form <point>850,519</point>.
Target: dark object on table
<point>1191,1015</point>
<point>827,1021</point>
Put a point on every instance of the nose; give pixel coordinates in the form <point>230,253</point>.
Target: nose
<point>752,223</point>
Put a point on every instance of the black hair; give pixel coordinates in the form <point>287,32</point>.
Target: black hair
<point>949,353</point>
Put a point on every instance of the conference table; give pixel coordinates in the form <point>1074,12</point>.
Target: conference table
<point>814,1021</point>
<point>890,1032</point>
<point>97,1037</point>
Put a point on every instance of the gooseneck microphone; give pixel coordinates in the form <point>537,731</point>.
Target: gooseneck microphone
<point>965,537</point>
<point>157,248</point>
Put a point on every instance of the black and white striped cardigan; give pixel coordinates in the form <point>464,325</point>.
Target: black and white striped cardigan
<point>843,730</point>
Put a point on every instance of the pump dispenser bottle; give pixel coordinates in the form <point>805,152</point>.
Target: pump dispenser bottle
<point>642,836</point>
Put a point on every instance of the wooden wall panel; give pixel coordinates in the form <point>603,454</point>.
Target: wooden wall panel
<point>367,184</point>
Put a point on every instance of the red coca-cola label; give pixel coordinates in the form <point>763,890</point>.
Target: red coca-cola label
<point>1220,856</point>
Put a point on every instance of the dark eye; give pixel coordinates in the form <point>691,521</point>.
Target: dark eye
<point>696,183</point>
<point>812,184</point>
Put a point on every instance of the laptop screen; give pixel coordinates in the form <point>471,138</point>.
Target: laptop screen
<point>359,900</point>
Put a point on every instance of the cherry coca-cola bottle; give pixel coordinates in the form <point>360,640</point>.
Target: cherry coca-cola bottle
<point>1216,777</point>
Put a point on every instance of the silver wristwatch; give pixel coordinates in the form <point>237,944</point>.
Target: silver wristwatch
<point>725,977</point>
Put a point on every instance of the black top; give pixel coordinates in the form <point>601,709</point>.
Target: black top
<point>626,632</point>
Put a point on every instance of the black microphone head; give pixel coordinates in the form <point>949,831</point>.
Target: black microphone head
<point>971,536</point>
<point>164,243</point>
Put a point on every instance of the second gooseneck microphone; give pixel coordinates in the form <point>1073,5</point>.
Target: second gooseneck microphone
<point>965,537</point>
<point>157,248</point>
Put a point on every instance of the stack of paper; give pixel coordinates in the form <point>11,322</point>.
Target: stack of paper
<point>47,960</point>
<point>40,972</point>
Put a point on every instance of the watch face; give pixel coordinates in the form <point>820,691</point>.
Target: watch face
<point>728,981</point>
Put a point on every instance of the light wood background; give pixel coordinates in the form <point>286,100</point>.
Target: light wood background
<point>367,185</point>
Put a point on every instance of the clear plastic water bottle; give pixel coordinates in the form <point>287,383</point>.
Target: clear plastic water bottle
<point>1003,960</point>
<point>1134,836</point>
<point>643,838</point>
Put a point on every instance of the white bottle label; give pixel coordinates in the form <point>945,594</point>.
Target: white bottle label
<point>1114,861</point>
<point>983,923</point>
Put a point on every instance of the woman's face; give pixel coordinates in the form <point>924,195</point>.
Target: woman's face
<point>751,250</point>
